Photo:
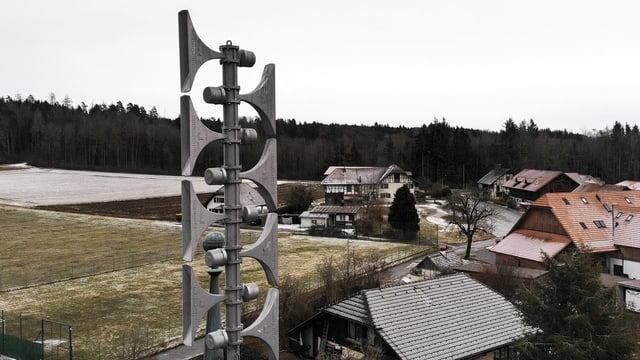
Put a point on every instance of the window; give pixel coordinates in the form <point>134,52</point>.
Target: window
<point>354,332</point>
<point>584,226</point>
<point>384,186</point>
<point>606,206</point>
<point>584,200</point>
<point>627,200</point>
<point>600,224</point>
<point>566,201</point>
<point>505,353</point>
<point>618,214</point>
<point>314,222</point>
<point>396,178</point>
<point>629,218</point>
<point>342,217</point>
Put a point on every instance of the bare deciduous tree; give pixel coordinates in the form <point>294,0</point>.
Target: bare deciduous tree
<point>470,215</point>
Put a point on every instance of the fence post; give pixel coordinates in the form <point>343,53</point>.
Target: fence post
<point>42,336</point>
<point>71,344</point>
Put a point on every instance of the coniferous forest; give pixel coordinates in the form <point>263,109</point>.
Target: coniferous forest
<point>128,138</point>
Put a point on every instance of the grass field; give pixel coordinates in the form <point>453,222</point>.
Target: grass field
<point>116,313</point>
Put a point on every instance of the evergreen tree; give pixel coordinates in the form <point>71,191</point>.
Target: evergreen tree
<point>576,316</point>
<point>403,214</point>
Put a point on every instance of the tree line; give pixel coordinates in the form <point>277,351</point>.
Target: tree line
<point>129,138</point>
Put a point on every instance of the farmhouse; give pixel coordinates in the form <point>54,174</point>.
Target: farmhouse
<point>353,185</point>
<point>530,184</point>
<point>451,317</point>
<point>604,223</point>
<point>491,185</point>
<point>254,206</point>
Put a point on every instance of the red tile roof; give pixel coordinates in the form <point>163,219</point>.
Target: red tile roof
<point>592,221</point>
<point>532,179</point>
<point>596,211</point>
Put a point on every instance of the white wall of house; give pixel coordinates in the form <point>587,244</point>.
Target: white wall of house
<point>390,185</point>
<point>307,222</point>
<point>630,268</point>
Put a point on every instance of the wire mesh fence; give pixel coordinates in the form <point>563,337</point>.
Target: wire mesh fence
<point>46,275</point>
<point>27,338</point>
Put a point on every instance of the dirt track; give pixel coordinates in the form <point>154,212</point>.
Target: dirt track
<point>157,208</point>
<point>161,208</point>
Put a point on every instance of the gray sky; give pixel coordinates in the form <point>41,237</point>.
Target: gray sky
<point>566,64</point>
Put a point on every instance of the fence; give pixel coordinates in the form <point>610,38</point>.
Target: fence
<point>47,275</point>
<point>29,338</point>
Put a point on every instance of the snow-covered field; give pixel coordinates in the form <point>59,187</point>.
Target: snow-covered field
<point>30,186</point>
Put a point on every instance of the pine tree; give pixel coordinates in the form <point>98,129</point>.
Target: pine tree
<point>403,214</point>
<point>576,316</point>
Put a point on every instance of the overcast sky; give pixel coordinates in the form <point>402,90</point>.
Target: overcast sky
<point>571,65</point>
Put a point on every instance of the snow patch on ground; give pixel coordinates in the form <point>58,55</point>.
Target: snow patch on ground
<point>30,186</point>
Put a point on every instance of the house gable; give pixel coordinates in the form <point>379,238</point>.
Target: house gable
<point>451,317</point>
<point>594,222</point>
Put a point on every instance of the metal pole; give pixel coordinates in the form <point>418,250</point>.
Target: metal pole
<point>233,209</point>
<point>214,322</point>
<point>42,336</point>
<point>70,343</point>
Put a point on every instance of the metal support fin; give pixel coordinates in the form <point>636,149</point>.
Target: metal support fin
<point>194,135</point>
<point>263,327</point>
<point>195,220</point>
<point>264,174</point>
<point>265,249</point>
<point>193,52</point>
<point>263,99</point>
<point>195,304</point>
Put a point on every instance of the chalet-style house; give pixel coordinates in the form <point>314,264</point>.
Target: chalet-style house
<point>341,216</point>
<point>491,185</point>
<point>451,317</point>
<point>254,206</point>
<point>604,223</point>
<point>530,184</point>
<point>353,185</point>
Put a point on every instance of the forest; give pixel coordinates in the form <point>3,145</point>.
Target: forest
<point>128,138</point>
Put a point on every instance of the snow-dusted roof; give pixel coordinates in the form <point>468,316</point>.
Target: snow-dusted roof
<point>346,175</point>
<point>450,317</point>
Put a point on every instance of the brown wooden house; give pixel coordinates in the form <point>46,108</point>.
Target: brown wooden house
<point>530,184</point>
<point>603,223</point>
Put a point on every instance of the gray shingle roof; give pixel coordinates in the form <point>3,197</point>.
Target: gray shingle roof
<point>443,260</point>
<point>450,317</point>
<point>359,175</point>
<point>354,308</point>
<point>493,175</point>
